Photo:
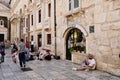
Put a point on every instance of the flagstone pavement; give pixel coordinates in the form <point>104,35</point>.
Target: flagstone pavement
<point>49,70</point>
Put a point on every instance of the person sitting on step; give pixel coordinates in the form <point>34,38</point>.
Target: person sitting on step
<point>89,63</point>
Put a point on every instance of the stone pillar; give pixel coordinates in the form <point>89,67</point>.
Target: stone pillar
<point>8,27</point>
<point>42,21</point>
<point>34,25</point>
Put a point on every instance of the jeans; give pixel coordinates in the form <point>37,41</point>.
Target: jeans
<point>2,58</point>
<point>27,54</point>
<point>32,48</point>
<point>22,59</point>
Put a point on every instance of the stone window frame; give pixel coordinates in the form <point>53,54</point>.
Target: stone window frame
<point>39,15</point>
<point>49,9</point>
<point>72,4</point>
<point>32,20</point>
<point>49,38</point>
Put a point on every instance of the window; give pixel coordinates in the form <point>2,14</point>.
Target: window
<point>74,4</point>
<point>31,19</point>
<point>32,38</point>
<point>39,16</point>
<point>70,2</point>
<point>20,11</point>
<point>49,10</point>
<point>48,38</point>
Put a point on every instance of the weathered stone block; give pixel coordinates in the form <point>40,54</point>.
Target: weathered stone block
<point>113,34</point>
<point>77,58</point>
<point>114,69</point>
<point>102,66</point>
<point>115,26</point>
<point>116,4</point>
<point>114,43</point>
<point>113,16</point>
<point>105,27</point>
<point>100,18</point>
<point>87,3</point>
<point>116,51</point>
<point>116,60</point>
<point>103,41</point>
<point>98,9</point>
<point>104,48</point>
<point>108,6</point>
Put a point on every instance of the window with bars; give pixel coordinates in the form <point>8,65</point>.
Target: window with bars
<point>49,10</point>
<point>70,4</point>
<point>39,16</point>
<point>48,39</point>
<point>74,4</point>
<point>31,19</point>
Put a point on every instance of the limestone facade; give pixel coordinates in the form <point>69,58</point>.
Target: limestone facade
<point>32,19</point>
<point>104,41</point>
<point>97,20</point>
<point>4,22</point>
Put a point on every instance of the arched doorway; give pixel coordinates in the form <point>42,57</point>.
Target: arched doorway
<point>39,40</point>
<point>74,42</point>
<point>1,37</point>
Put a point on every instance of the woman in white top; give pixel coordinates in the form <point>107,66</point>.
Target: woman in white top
<point>90,63</point>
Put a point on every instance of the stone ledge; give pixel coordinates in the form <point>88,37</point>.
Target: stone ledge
<point>78,57</point>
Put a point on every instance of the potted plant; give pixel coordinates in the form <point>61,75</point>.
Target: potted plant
<point>71,50</point>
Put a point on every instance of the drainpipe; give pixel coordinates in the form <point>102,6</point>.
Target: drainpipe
<point>55,27</point>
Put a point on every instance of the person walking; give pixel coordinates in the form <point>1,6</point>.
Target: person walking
<point>21,51</point>
<point>2,51</point>
<point>32,46</point>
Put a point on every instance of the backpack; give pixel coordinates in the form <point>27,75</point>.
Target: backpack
<point>1,49</point>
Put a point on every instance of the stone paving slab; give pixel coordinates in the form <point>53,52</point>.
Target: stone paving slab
<point>49,70</point>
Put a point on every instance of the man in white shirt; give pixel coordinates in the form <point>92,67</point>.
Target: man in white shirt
<point>32,46</point>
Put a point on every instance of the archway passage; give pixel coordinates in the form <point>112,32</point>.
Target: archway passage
<point>74,40</point>
<point>1,37</point>
<point>39,40</point>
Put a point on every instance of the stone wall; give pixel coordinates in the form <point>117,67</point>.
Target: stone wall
<point>104,43</point>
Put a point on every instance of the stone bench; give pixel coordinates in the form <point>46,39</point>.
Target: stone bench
<point>78,57</point>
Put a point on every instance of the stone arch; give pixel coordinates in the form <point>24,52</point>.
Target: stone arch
<point>71,26</point>
<point>65,36</point>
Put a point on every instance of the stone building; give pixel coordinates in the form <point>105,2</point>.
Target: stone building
<point>32,20</point>
<point>17,19</point>
<point>4,21</point>
<point>71,27</point>
<point>90,26</point>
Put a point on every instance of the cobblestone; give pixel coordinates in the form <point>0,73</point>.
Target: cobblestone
<point>49,70</point>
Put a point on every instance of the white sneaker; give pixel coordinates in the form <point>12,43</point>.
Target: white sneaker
<point>75,69</point>
<point>86,69</point>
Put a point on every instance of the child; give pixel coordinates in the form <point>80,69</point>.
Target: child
<point>15,57</point>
